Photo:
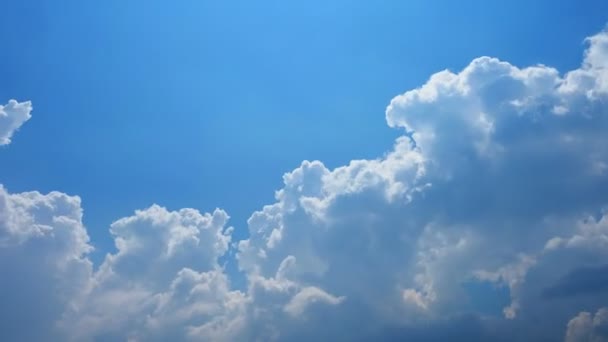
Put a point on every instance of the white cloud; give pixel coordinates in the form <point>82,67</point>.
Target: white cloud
<point>307,296</point>
<point>503,160</point>
<point>43,248</point>
<point>501,181</point>
<point>586,327</point>
<point>12,116</point>
<point>164,282</point>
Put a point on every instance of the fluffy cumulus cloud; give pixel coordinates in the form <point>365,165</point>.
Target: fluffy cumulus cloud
<point>498,183</point>
<point>12,116</point>
<point>499,180</point>
<point>43,247</point>
<point>163,283</point>
<point>587,327</point>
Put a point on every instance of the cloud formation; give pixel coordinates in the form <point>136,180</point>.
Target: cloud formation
<point>163,283</point>
<point>43,248</point>
<point>587,327</point>
<point>499,179</point>
<point>12,116</point>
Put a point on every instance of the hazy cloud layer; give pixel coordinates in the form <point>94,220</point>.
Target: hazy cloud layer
<point>499,180</point>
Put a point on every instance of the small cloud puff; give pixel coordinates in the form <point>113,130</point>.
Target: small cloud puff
<point>12,116</point>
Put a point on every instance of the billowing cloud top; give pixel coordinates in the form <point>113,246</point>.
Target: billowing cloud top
<point>12,116</point>
<point>498,182</point>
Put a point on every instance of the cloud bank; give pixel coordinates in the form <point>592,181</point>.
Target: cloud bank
<point>499,180</point>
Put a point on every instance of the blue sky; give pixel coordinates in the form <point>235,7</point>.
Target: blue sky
<point>206,104</point>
